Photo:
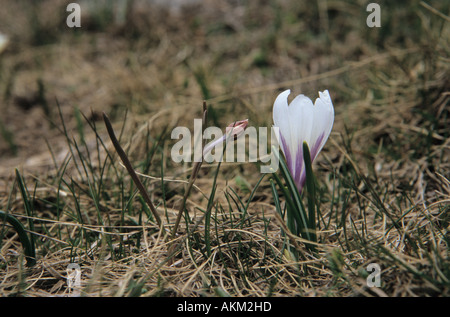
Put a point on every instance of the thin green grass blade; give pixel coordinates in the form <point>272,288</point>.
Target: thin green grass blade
<point>27,205</point>
<point>28,244</point>
<point>276,198</point>
<point>208,211</point>
<point>253,192</point>
<point>79,122</point>
<point>66,134</point>
<point>311,192</point>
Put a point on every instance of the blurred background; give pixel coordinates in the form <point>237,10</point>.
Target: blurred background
<point>155,56</point>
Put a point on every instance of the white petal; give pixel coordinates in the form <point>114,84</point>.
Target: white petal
<point>323,122</point>
<point>281,116</point>
<point>280,108</point>
<point>301,113</point>
<point>300,125</point>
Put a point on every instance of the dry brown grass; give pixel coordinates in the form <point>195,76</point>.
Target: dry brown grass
<point>383,175</point>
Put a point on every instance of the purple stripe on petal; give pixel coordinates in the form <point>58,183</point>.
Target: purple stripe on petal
<point>287,152</point>
<point>298,167</point>
<point>302,181</point>
<point>316,147</point>
<point>290,164</point>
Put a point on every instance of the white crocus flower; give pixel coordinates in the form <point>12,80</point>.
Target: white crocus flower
<point>302,121</point>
